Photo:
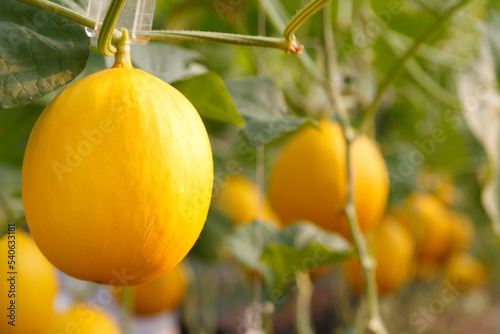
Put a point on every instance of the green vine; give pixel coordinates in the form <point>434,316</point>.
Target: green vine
<point>62,11</point>
<point>219,37</point>
<point>108,34</point>
<point>275,12</point>
<point>127,308</point>
<point>375,322</point>
<point>303,304</point>
<point>302,16</point>
<point>108,26</point>
<point>397,69</point>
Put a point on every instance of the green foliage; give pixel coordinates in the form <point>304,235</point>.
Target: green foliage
<point>207,247</point>
<point>210,98</point>
<point>178,66</point>
<point>38,51</point>
<point>298,247</point>
<point>438,118</point>
<point>263,107</point>
<point>15,128</point>
<point>480,97</point>
<point>165,61</point>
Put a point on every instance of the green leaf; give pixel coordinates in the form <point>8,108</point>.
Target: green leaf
<point>301,246</point>
<point>167,62</point>
<point>79,6</point>
<point>38,53</point>
<point>216,228</point>
<point>10,177</point>
<point>11,208</point>
<point>210,97</point>
<point>263,107</point>
<point>480,97</point>
<point>15,128</point>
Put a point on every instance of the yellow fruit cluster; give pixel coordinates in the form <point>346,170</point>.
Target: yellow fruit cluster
<point>32,288</point>
<point>309,183</point>
<point>442,237</point>
<point>35,288</point>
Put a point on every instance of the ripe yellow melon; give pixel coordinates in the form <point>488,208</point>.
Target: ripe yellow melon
<point>238,202</point>
<point>462,232</point>
<point>84,319</point>
<point>393,248</point>
<point>33,288</point>
<point>163,293</point>
<point>309,182</point>
<point>117,177</point>
<point>464,271</point>
<point>429,220</point>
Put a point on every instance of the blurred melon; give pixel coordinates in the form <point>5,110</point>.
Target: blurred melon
<point>393,248</point>
<point>238,202</point>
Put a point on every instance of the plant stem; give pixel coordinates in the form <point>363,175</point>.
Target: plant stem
<point>303,303</point>
<point>261,31</point>
<point>108,26</point>
<point>61,11</point>
<point>126,310</point>
<point>399,41</point>
<point>375,322</point>
<point>174,35</point>
<point>396,70</point>
<point>302,16</point>
<point>122,54</point>
<point>424,80</point>
<point>259,232</point>
<point>275,12</point>
<point>429,85</point>
<point>223,38</point>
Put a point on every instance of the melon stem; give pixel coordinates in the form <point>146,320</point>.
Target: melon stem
<point>122,55</point>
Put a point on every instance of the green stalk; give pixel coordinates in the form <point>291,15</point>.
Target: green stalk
<point>108,26</point>
<point>396,70</point>
<point>259,237</point>
<point>172,35</point>
<point>61,11</point>
<point>429,85</point>
<point>222,38</point>
<point>375,322</point>
<point>303,303</point>
<point>126,310</point>
<point>302,16</point>
<point>122,55</point>
<point>275,12</point>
